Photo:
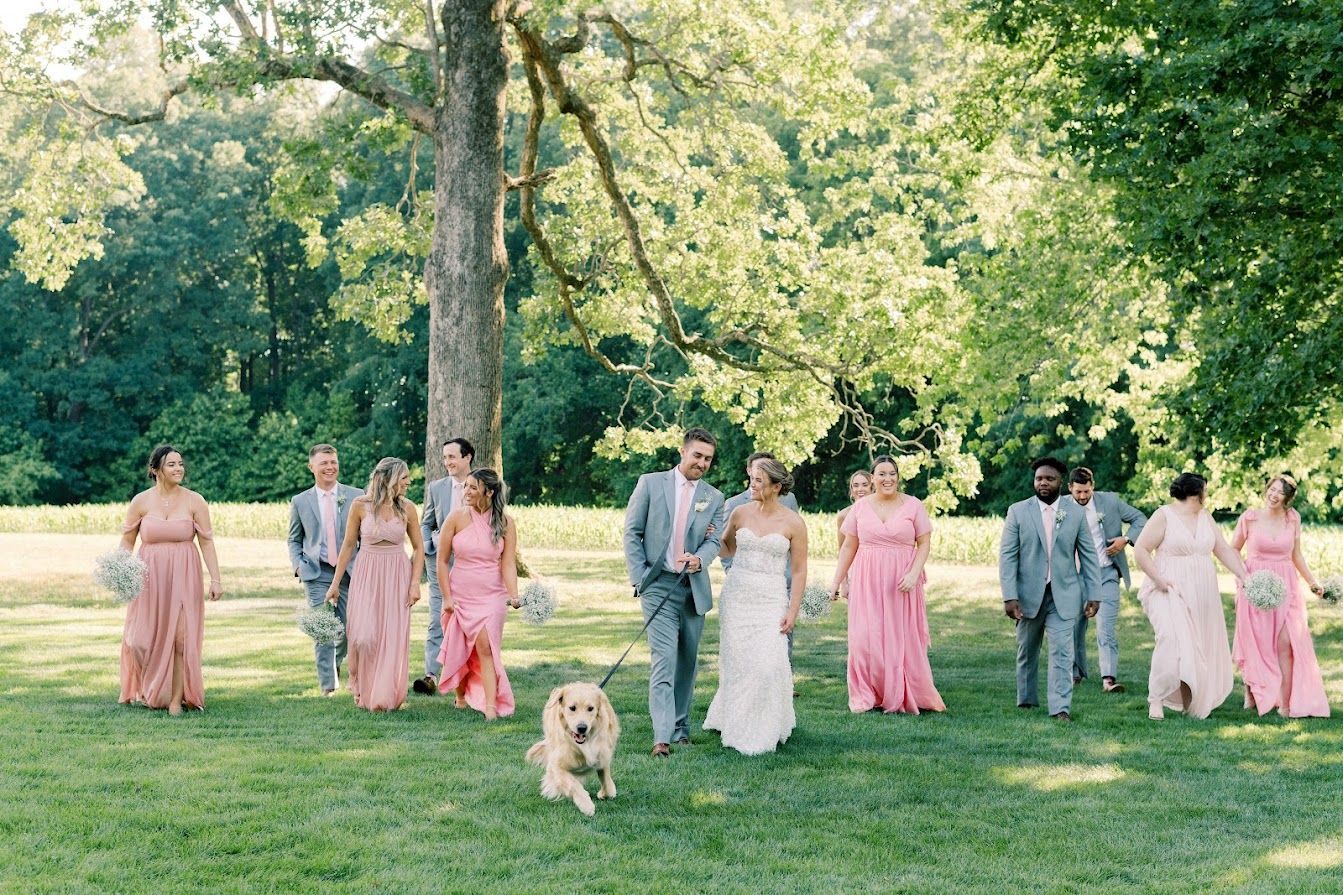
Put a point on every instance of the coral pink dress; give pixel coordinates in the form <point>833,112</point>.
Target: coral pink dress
<point>173,591</point>
<point>480,603</point>
<point>1190,628</point>
<point>888,630</point>
<point>378,620</point>
<point>1257,630</point>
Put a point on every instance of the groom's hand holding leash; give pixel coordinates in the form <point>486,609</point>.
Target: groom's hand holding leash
<point>688,562</point>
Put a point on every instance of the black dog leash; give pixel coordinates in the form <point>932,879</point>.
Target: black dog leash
<point>684,576</point>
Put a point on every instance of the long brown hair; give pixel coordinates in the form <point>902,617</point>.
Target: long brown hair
<point>381,483</point>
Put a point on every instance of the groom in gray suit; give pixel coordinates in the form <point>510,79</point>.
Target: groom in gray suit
<point>1107,514</point>
<point>674,522</point>
<point>1047,568</point>
<point>316,529</point>
<point>441,497</point>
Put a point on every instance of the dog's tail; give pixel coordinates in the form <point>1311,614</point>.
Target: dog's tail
<point>537,754</point>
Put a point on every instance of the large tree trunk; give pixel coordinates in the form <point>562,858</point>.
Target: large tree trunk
<point>467,263</point>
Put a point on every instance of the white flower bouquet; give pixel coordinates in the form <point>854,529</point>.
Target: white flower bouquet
<point>121,572</point>
<point>1265,590</point>
<point>1333,589</point>
<point>538,603</point>
<point>815,603</point>
<point>321,623</point>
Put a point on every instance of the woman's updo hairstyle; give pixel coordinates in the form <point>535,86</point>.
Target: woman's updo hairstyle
<point>156,458</point>
<point>1288,487</point>
<point>777,473</point>
<point>1188,484</point>
<point>886,458</point>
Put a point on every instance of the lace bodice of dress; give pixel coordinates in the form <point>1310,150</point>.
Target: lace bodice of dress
<point>768,554</point>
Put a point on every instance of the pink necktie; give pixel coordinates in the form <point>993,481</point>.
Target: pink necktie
<point>682,515</point>
<point>1049,542</point>
<point>329,525</point>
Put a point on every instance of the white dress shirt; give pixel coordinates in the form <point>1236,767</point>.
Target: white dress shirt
<point>1097,534</point>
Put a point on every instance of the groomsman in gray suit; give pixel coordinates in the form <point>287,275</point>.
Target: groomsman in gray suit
<point>1047,568</point>
<point>674,522</point>
<point>1106,514</point>
<point>787,500</point>
<point>316,529</point>
<point>441,497</point>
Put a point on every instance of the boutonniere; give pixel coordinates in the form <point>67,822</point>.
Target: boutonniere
<point>701,505</point>
<point>340,500</point>
<point>1100,517</point>
<point>1059,517</point>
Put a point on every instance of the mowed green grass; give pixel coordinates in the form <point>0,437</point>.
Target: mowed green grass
<point>276,789</point>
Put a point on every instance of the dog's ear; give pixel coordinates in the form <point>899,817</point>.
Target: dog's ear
<point>552,717</point>
<point>556,697</point>
<point>606,717</point>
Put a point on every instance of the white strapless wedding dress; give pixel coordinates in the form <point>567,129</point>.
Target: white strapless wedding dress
<point>753,708</point>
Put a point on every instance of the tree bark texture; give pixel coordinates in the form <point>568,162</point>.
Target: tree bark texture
<point>467,264</point>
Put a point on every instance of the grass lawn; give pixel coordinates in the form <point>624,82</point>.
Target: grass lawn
<point>275,789</point>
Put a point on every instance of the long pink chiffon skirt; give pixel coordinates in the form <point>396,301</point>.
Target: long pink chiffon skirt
<point>378,628</point>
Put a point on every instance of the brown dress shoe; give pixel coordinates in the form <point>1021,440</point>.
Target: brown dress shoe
<point>683,741</point>
<point>1110,685</point>
<point>1064,717</point>
<point>661,750</point>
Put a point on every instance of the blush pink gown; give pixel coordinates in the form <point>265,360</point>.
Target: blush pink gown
<point>888,630</point>
<point>1190,629</point>
<point>173,590</point>
<point>1257,630</point>
<point>480,604</point>
<point>378,619</point>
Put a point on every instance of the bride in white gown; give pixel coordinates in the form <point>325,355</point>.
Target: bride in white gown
<point>753,708</point>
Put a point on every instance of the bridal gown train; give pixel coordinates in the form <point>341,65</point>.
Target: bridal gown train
<point>753,708</point>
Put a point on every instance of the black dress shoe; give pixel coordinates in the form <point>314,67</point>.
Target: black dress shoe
<point>683,741</point>
<point>1027,705</point>
<point>426,685</point>
<point>1064,717</point>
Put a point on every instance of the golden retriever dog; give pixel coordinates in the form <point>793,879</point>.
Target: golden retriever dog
<point>581,730</point>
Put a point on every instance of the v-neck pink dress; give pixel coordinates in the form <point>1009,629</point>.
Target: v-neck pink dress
<point>888,629</point>
<point>173,591</point>
<point>1257,630</point>
<point>1191,646</point>
<point>378,626</point>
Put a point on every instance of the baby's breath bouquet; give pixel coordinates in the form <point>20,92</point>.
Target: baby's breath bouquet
<point>815,603</point>
<point>1265,590</point>
<point>321,623</point>
<point>538,603</point>
<point>1333,589</point>
<point>121,572</point>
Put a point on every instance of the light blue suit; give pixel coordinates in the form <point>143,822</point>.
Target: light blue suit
<point>674,633</point>
<point>438,503</point>
<point>1052,608</point>
<point>312,565</point>
<point>1115,514</point>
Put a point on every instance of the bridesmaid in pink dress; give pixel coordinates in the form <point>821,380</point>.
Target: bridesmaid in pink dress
<point>887,539</point>
<point>1191,662</point>
<point>161,643</point>
<point>385,584</point>
<point>860,485</point>
<point>479,586</point>
<point>1273,649</point>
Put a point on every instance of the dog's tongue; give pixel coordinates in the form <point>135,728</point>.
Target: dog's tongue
<point>580,738</point>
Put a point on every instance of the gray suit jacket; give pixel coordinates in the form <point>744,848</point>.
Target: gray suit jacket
<point>305,529</point>
<point>648,532</point>
<point>744,498</point>
<point>1115,513</point>
<point>437,506</point>
<point>1072,565</point>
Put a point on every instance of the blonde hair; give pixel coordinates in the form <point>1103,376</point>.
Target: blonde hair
<point>381,483</point>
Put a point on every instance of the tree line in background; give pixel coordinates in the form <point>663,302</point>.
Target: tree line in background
<point>971,232</point>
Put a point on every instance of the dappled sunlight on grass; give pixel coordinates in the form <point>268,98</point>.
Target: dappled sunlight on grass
<point>1051,778</point>
<point>1320,854</point>
<point>708,797</point>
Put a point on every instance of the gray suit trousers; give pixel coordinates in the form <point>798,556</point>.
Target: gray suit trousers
<point>1030,634</point>
<point>673,639</point>
<point>434,639</point>
<point>1107,641</point>
<point>328,657</point>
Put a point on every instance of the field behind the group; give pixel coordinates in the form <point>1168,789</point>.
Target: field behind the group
<point>275,789</point>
